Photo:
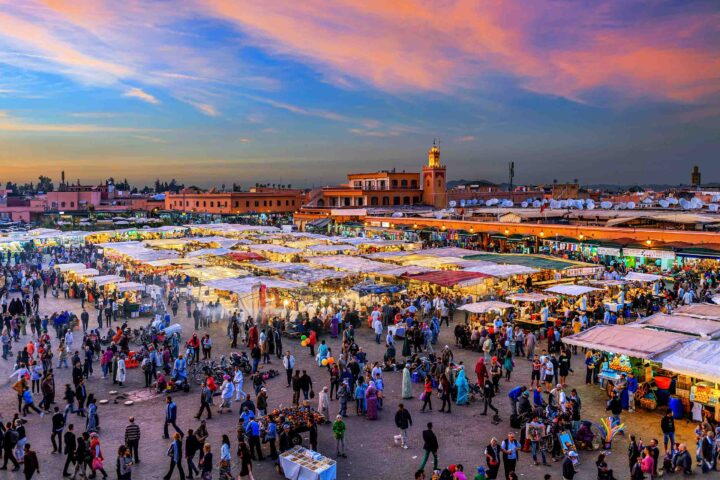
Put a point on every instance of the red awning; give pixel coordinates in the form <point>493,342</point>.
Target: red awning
<point>449,278</point>
<point>244,256</point>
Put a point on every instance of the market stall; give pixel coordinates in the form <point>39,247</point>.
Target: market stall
<point>702,327</point>
<point>299,463</point>
<point>702,310</point>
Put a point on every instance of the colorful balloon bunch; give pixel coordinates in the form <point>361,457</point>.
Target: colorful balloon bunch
<point>304,341</point>
<point>327,361</point>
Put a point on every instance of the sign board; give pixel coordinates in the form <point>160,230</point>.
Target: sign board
<point>615,252</point>
<point>640,252</point>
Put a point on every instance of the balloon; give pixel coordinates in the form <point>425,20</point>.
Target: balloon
<point>303,338</point>
<point>304,343</point>
<point>324,362</point>
<point>331,360</point>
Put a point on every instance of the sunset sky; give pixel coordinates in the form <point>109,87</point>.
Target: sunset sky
<point>301,92</point>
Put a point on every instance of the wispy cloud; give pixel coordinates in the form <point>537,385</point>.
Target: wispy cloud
<point>205,108</point>
<point>465,139</point>
<point>141,94</point>
<point>8,123</point>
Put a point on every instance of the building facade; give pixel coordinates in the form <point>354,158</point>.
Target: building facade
<point>257,200</point>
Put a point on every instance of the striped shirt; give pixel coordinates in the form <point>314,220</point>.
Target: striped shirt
<point>132,432</point>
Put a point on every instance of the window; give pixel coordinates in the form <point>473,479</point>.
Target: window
<point>279,203</point>
<point>347,201</point>
<point>360,201</point>
<point>386,200</point>
<point>257,203</point>
<point>394,183</point>
<point>247,203</point>
<point>416,199</point>
<point>427,184</point>
<point>287,203</point>
<point>197,204</point>
<point>204,203</point>
<point>72,204</point>
<point>321,203</point>
<point>406,200</point>
<point>237,204</point>
<point>293,203</point>
<point>413,183</point>
<point>373,201</point>
<point>264,203</point>
<point>187,203</point>
<point>439,182</point>
<point>212,204</point>
<point>403,183</point>
<point>396,200</point>
<point>62,204</point>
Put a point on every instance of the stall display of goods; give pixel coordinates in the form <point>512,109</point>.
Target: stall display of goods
<point>299,462</point>
<point>704,393</point>
<point>297,417</point>
<point>621,363</point>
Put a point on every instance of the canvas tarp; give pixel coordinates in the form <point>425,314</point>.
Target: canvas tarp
<point>107,280</point>
<point>528,297</point>
<point>450,278</point>
<point>699,359</point>
<point>704,310</point>
<point>69,267</point>
<point>683,324</point>
<point>350,264</point>
<point>627,340</point>
<point>483,307</point>
<point>503,271</point>
<point>571,290</point>
<point>642,277</point>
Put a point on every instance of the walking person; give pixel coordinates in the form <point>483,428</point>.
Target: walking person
<point>246,459</point>
<point>58,425</point>
<point>171,418</point>
<point>132,439</point>
<point>96,454</point>
<point>206,463</point>
<point>510,448</point>
<point>10,440</point>
<point>176,456</point>
<point>123,464</point>
<point>430,446</point>
<point>338,430</point>
<point>225,459</point>
<point>489,393</point>
<point>427,394</point>
<point>31,464</point>
<point>206,400</point>
<point>403,421</point>
<point>192,446</point>
<point>70,448</point>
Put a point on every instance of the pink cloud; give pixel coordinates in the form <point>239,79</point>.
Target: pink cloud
<point>404,45</point>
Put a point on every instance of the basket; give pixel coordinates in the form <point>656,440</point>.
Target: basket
<point>648,403</point>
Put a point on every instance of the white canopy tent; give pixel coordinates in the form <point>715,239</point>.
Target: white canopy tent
<point>642,277</point>
<point>699,359</point>
<point>528,297</point>
<point>627,340</point>
<point>69,267</point>
<point>107,280</point>
<point>702,327</point>
<point>484,307</point>
<point>129,287</point>
<point>503,271</point>
<point>571,290</point>
<point>350,264</point>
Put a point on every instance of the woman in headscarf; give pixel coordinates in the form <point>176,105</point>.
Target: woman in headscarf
<point>92,418</point>
<point>462,386</point>
<point>406,383</point>
<point>121,371</point>
<point>226,391</point>
<point>371,399</point>
<point>334,325</point>
<point>481,371</point>
<point>406,343</point>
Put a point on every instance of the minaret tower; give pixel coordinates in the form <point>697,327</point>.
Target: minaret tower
<point>433,179</point>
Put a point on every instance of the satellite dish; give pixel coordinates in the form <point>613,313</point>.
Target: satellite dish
<point>507,203</point>
<point>664,203</point>
<point>439,214</point>
<point>605,205</point>
<point>673,201</point>
<point>684,204</point>
<point>631,205</point>
<point>647,200</point>
<point>716,198</point>
<point>622,206</point>
<point>524,204</point>
<point>453,203</point>
<point>398,214</point>
<point>462,203</point>
<point>537,204</point>
<point>590,206</point>
<point>713,207</point>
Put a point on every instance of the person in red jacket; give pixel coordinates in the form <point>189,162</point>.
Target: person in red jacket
<point>312,340</point>
<point>481,371</point>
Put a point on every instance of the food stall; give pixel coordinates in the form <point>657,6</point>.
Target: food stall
<point>698,383</point>
<point>529,311</point>
<point>300,463</point>
<point>629,350</point>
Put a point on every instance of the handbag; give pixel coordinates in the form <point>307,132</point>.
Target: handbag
<point>312,394</point>
<point>97,463</point>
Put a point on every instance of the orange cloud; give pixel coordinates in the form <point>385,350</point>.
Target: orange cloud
<point>422,45</point>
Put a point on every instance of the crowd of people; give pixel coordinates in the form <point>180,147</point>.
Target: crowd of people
<point>543,407</point>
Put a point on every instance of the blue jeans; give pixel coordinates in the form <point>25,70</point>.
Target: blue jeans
<point>255,364</point>
<point>669,436</point>
<point>535,447</point>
